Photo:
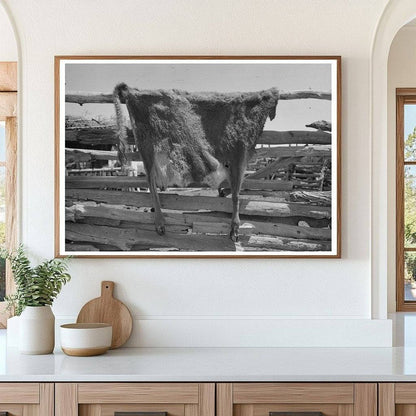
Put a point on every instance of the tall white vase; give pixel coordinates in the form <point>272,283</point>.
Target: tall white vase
<point>13,331</point>
<point>37,330</point>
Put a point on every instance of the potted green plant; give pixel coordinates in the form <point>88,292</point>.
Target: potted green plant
<point>36,289</point>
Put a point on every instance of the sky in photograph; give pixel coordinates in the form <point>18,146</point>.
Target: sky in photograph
<point>290,115</point>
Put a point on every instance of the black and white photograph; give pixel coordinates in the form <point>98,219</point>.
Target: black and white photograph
<point>198,156</point>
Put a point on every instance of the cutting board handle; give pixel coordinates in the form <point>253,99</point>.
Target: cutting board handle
<point>107,289</point>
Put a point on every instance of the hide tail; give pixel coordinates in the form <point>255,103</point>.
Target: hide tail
<point>119,96</point>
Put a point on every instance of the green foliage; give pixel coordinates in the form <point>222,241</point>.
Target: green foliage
<point>410,266</point>
<point>410,206</point>
<point>35,286</point>
<point>2,279</point>
<point>2,233</point>
<point>410,146</point>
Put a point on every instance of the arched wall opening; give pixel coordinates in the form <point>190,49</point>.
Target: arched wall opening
<point>396,15</point>
<point>401,73</point>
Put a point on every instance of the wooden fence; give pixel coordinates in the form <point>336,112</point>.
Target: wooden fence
<point>286,195</point>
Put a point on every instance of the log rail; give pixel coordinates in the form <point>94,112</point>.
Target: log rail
<point>106,98</point>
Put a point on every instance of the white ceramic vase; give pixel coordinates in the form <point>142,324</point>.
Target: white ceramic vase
<point>37,330</point>
<point>13,331</point>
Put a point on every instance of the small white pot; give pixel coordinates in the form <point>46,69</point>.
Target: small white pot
<point>86,339</point>
<point>37,330</point>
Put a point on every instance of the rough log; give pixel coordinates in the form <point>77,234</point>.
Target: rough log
<point>88,136</point>
<point>170,228</point>
<point>84,98</point>
<point>293,151</point>
<point>172,217</point>
<point>117,212</point>
<point>275,166</point>
<point>301,95</point>
<point>305,175</point>
<point>99,182</point>
<point>88,97</point>
<point>84,171</point>
<point>85,155</point>
<point>320,125</point>
<point>286,244</point>
<point>200,223</point>
<point>177,202</point>
<point>106,136</point>
<point>271,168</point>
<point>267,185</point>
<point>294,137</point>
<point>255,227</point>
<point>323,198</point>
<point>128,239</point>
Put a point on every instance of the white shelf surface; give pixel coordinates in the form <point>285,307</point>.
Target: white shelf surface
<point>213,365</point>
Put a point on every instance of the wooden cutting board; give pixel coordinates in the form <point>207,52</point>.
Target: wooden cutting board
<point>107,309</point>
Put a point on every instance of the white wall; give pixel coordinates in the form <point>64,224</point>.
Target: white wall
<point>401,74</point>
<point>8,47</point>
<point>183,300</point>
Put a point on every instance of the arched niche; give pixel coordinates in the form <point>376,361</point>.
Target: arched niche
<point>396,14</point>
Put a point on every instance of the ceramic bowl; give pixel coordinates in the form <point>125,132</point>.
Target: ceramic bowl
<point>84,340</point>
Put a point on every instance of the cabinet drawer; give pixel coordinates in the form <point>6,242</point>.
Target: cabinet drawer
<point>297,399</point>
<point>152,399</point>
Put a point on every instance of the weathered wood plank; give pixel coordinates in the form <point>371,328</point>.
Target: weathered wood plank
<point>88,97</point>
<point>97,182</point>
<point>301,95</point>
<point>200,223</point>
<point>267,185</point>
<point>127,239</point>
<point>294,151</point>
<point>287,244</point>
<point>295,137</point>
<point>117,212</point>
<point>275,166</point>
<point>107,135</point>
<point>95,136</point>
<point>323,198</point>
<point>87,155</point>
<point>256,227</point>
<point>173,201</point>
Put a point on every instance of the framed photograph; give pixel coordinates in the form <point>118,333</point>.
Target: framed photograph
<point>198,156</point>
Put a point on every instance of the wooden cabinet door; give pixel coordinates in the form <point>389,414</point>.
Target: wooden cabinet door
<point>145,399</point>
<point>26,399</point>
<point>297,399</point>
<point>397,399</point>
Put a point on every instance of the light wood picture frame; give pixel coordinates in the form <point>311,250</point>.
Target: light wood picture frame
<point>198,156</point>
